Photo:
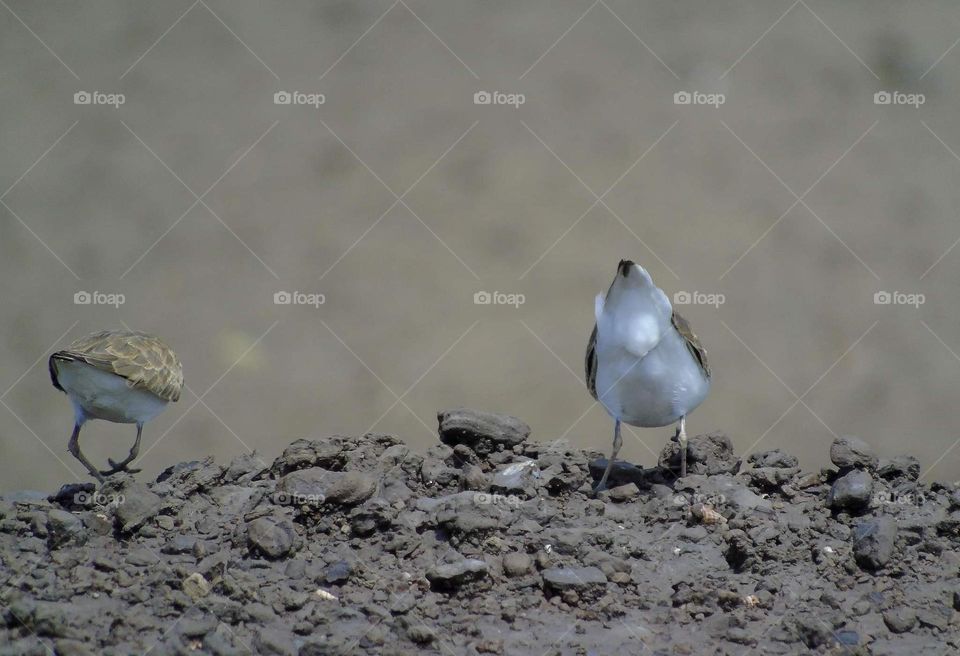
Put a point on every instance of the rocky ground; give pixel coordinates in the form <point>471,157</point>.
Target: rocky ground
<point>490,543</point>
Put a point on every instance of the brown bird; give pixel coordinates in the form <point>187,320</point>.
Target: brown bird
<point>119,375</point>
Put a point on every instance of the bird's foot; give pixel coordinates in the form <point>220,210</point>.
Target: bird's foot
<point>117,467</point>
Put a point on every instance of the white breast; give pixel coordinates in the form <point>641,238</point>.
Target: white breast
<point>99,394</point>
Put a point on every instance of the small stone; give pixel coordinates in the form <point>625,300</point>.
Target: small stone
<point>473,478</point>
<point>420,634</point>
<point>561,579</point>
<point>874,541</point>
<point>483,432</point>
<point>449,576</point>
<point>623,493</point>
<point>272,537</point>
<point>515,477</point>
<point>195,586</point>
<point>900,619</point>
<point>274,643</point>
<point>709,454</point>
<point>852,491</point>
<point>848,451</point>
<point>351,488</point>
<point>338,572</point>
<point>517,563</point>
<point>938,617</point>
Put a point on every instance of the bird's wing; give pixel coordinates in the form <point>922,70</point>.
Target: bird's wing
<point>636,314</point>
<point>693,342</point>
<point>590,364</point>
<point>145,361</point>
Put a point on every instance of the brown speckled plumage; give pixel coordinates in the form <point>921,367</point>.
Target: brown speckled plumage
<point>145,361</point>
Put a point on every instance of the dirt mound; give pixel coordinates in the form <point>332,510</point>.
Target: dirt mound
<point>488,543</point>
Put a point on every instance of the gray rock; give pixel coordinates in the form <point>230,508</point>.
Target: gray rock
<point>351,488</point>
<point>708,454</point>
<point>937,617</point>
<point>561,579</point>
<point>517,563</point>
<point>64,527</point>
<point>900,619</point>
<point>136,505</point>
<point>316,486</point>
<point>274,538</point>
<point>449,576</point>
<point>338,572</point>
<point>906,467</point>
<point>852,492</point>
<point>274,643</point>
<point>775,458</point>
<point>516,477</point>
<point>623,493</point>
<point>874,541</point>
<point>848,451</point>
<point>481,431</point>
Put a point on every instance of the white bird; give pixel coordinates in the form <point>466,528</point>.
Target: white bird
<point>643,362</point>
<point>118,375</point>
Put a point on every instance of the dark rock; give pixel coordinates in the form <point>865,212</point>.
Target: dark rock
<point>900,619</point>
<point>708,454</point>
<point>274,538</point>
<point>874,541</point>
<point>775,458</point>
<point>316,486</point>
<point>483,432</point>
<point>449,576</point>
<point>853,492</point>
<point>906,467</point>
<point>337,573</point>
<point>848,451</point>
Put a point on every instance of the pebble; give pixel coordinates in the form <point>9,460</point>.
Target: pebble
<point>900,620</point>
<point>517,563</point>
<point>274,538</point>
<point>483,432</point>
<point>452,575</point>
<point>561,579</point>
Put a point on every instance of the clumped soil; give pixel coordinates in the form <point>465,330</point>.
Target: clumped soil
<point>490,543</point>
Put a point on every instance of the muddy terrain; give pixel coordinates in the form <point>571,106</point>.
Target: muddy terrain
<point>490,543</point>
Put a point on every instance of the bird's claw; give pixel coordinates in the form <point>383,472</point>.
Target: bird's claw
<point>116,467</point>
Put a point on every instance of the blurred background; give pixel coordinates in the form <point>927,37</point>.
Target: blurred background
<point>785,199</point>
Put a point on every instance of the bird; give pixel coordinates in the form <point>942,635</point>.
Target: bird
<point>643,362</point>
<point>122,376</point>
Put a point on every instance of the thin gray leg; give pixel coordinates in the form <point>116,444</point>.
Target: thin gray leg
<point>74,447</point>
<point>122,465</point>
<point>617,443</point>
<point>682,438</point>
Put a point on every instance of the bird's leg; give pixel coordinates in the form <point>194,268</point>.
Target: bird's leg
<point>74,447</point>
<point>122,465</point>
<point>682,438</point>
<point>617,443</point>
